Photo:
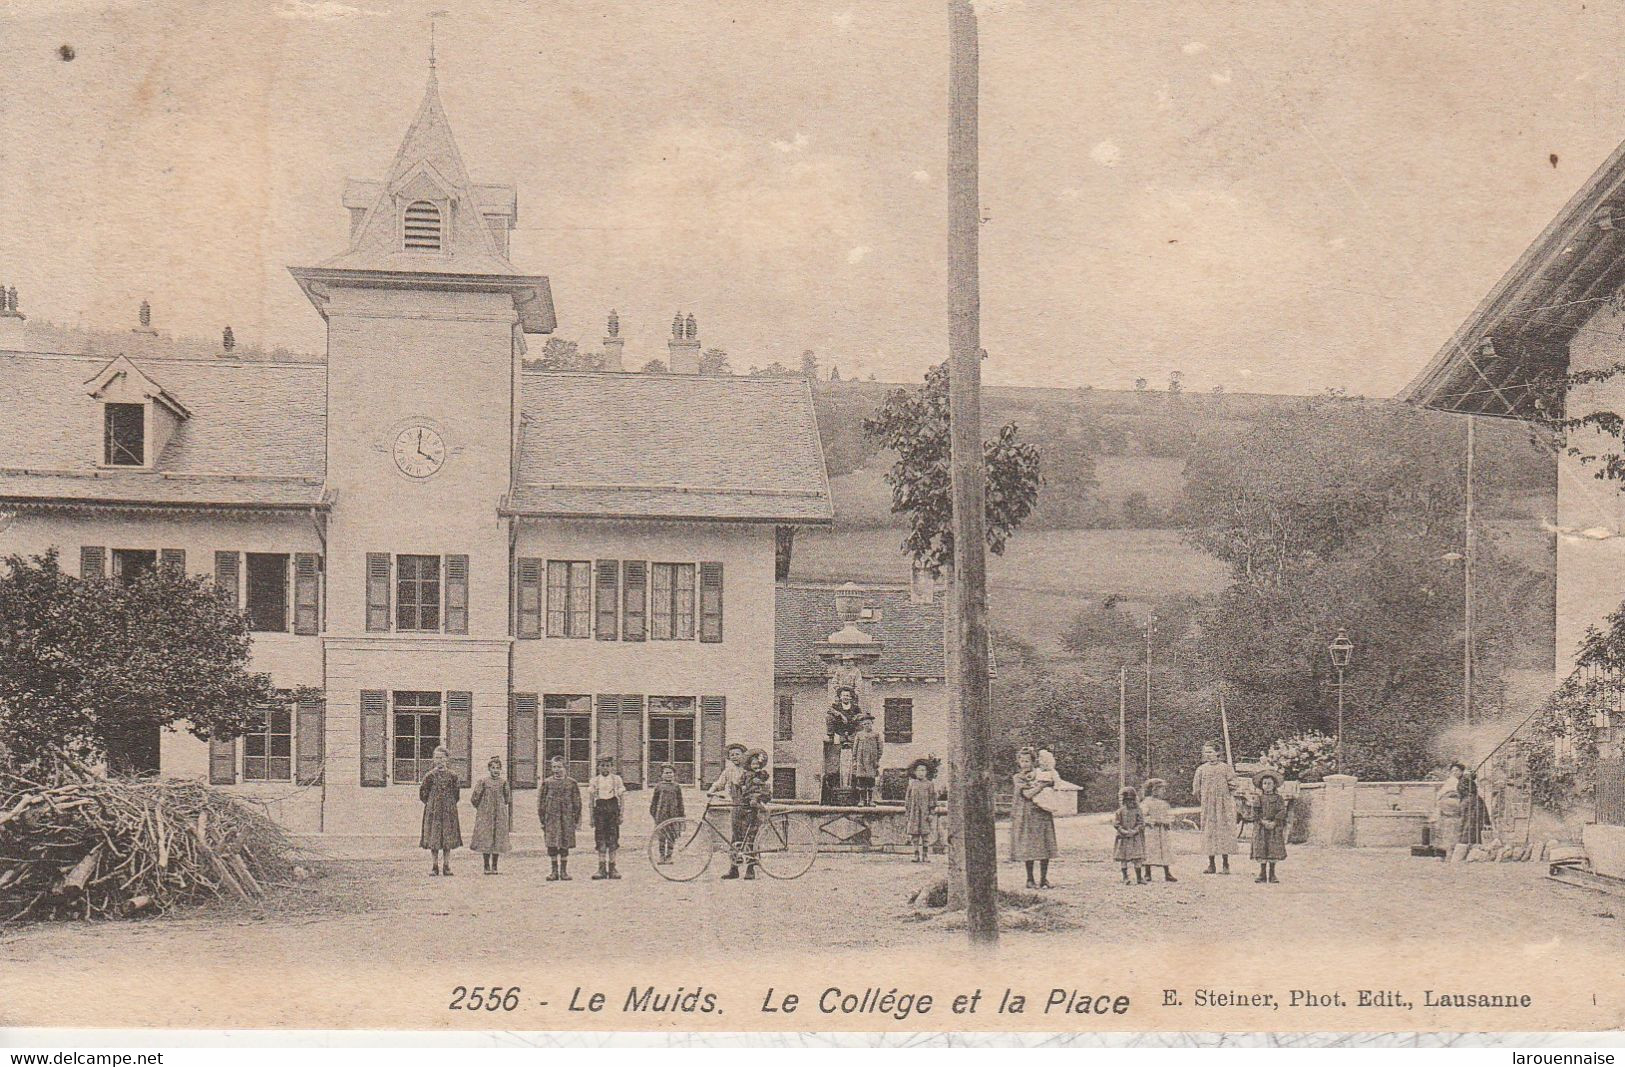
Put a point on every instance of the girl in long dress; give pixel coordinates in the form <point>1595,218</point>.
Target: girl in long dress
<point>1475,814</point>
<point>1129,847</point>
<point>1215,787</point>
<point>920,808</point>
<point>442,831</point>
<point>1268,815</point>
<point>1032,829</point>
<point>1159,847</point>
<point>491,797</point>
<point>558,806</point>
<point>665,804</point>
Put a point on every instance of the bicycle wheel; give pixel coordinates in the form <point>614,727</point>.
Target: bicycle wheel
<point>681,849</point>
<point>786,847</point>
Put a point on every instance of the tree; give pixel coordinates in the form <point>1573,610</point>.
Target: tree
<point>714,361</point>
<point>914,425</point>
<point>809,365</point>
<point>1141,385</point>
<point>562,354</point>
<point>92,667</point>
<point>655,366</point>
<point>774,370</point>
<point>834,374</point>
<point>1176,382</point>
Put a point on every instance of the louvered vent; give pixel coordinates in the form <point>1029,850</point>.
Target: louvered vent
<point>422,227</point>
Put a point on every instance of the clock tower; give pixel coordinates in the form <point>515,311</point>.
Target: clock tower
<point>425,320</point>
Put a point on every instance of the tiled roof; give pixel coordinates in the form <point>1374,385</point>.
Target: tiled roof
<point>670,446</point>
<point>255,437</point>
<point>910,633</point>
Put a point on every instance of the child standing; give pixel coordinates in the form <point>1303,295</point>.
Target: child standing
<point>1129,849</point>
<point>607,789</point>
<point>754,790</point>
<point>920,808</point>
<point>491,797</point>
<point>442,831</point>
<point>866,752</point>
<point>666,803</point>
<point>558,806</point>
<point>1269,817</point>
<point>1159,847</point>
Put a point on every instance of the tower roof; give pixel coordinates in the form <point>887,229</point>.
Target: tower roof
<point>427,225</point>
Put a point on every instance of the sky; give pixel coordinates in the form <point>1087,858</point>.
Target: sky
<point>1265,196</point>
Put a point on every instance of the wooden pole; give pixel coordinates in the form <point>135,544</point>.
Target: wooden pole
<point>1467,589</point>
<point>1150,624</point>
<point>1224,724</point>
<point>1122,729</point>
<point>975,782</point>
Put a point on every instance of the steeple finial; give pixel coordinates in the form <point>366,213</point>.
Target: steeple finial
<point>432,16</point>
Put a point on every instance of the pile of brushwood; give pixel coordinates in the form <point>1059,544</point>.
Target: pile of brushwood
<point>75,845</point>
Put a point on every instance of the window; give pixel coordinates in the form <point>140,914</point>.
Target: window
<point>268,592</point>
<point>124,439</point>
<point>671,609</point>
<point>417,593</point>
<point>784,783</point>
<point>894,783</point>
<point>132,563</point>
<point>899,724</point>
<point>569,598</point>
<point>784,717</point>
<point>567,732</point>
<point>268,747</point>
<point>671,737</point>
<point>421,231</point>
<point>417,734</point>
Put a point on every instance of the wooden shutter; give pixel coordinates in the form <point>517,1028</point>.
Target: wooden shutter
<point>634,600</point>
<point>460,735</point>
<point>378,593</point>
<point>609,591</point>
<point>172,560</point>
<point>529,599</point>
<point>374,737</point>
<point>307,616</point>
<point>222,761</point>
<point>632,741</point>
<point>784,717</point>
<point>711,602</point>
<point>228,576</point>
<point>92,562</point>
<point>310,737</point>
<point>713,730</point>
<point>898,726</point>
<point>457,594</point>
<point>522,740</point>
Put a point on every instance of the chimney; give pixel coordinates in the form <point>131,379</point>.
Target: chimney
<point>614,344</point>
<point>143,319</point>
<point>684,346</point>
<point>922,588</point>
<point>11,320</point>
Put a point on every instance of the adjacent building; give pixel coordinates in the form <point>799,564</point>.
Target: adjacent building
<point>446,548</point>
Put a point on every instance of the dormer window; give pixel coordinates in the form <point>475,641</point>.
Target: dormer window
<point>422,227</point>
<point>124,435</point>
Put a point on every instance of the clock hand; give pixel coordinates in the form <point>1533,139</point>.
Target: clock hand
<point>422,453</point>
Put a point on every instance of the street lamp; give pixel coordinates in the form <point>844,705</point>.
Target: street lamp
<point>1342,652</point>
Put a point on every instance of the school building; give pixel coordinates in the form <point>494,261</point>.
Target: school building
<point>446,548</point>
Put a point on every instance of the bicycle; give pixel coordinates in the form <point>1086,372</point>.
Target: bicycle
<point>784,848</point>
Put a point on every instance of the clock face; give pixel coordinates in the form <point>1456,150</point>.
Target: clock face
<point>419,451</point>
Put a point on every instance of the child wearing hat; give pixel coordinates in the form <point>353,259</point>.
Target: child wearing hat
<point>491,797</point>
<point>1269,817</point>
<point>606,789</point>
<point>1129,848</point>
<point>866,752</point>
<point>754,789</point>
<point>920,807</point>
<point>442,831</point>
<point>1159,847</point>
<point>666,804</point>
<point>558,806</point>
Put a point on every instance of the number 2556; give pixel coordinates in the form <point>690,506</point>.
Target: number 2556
<point>481,998</point>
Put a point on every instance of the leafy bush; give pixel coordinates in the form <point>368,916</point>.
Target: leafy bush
<point>1306,757</point>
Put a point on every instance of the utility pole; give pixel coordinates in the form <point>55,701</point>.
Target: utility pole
<point>1150,625</point>
<point>1122,729</point>
<point>973,778</point>
<point>1467,587</point>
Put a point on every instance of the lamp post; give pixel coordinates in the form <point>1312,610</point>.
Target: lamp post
<point>1342,652</point>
